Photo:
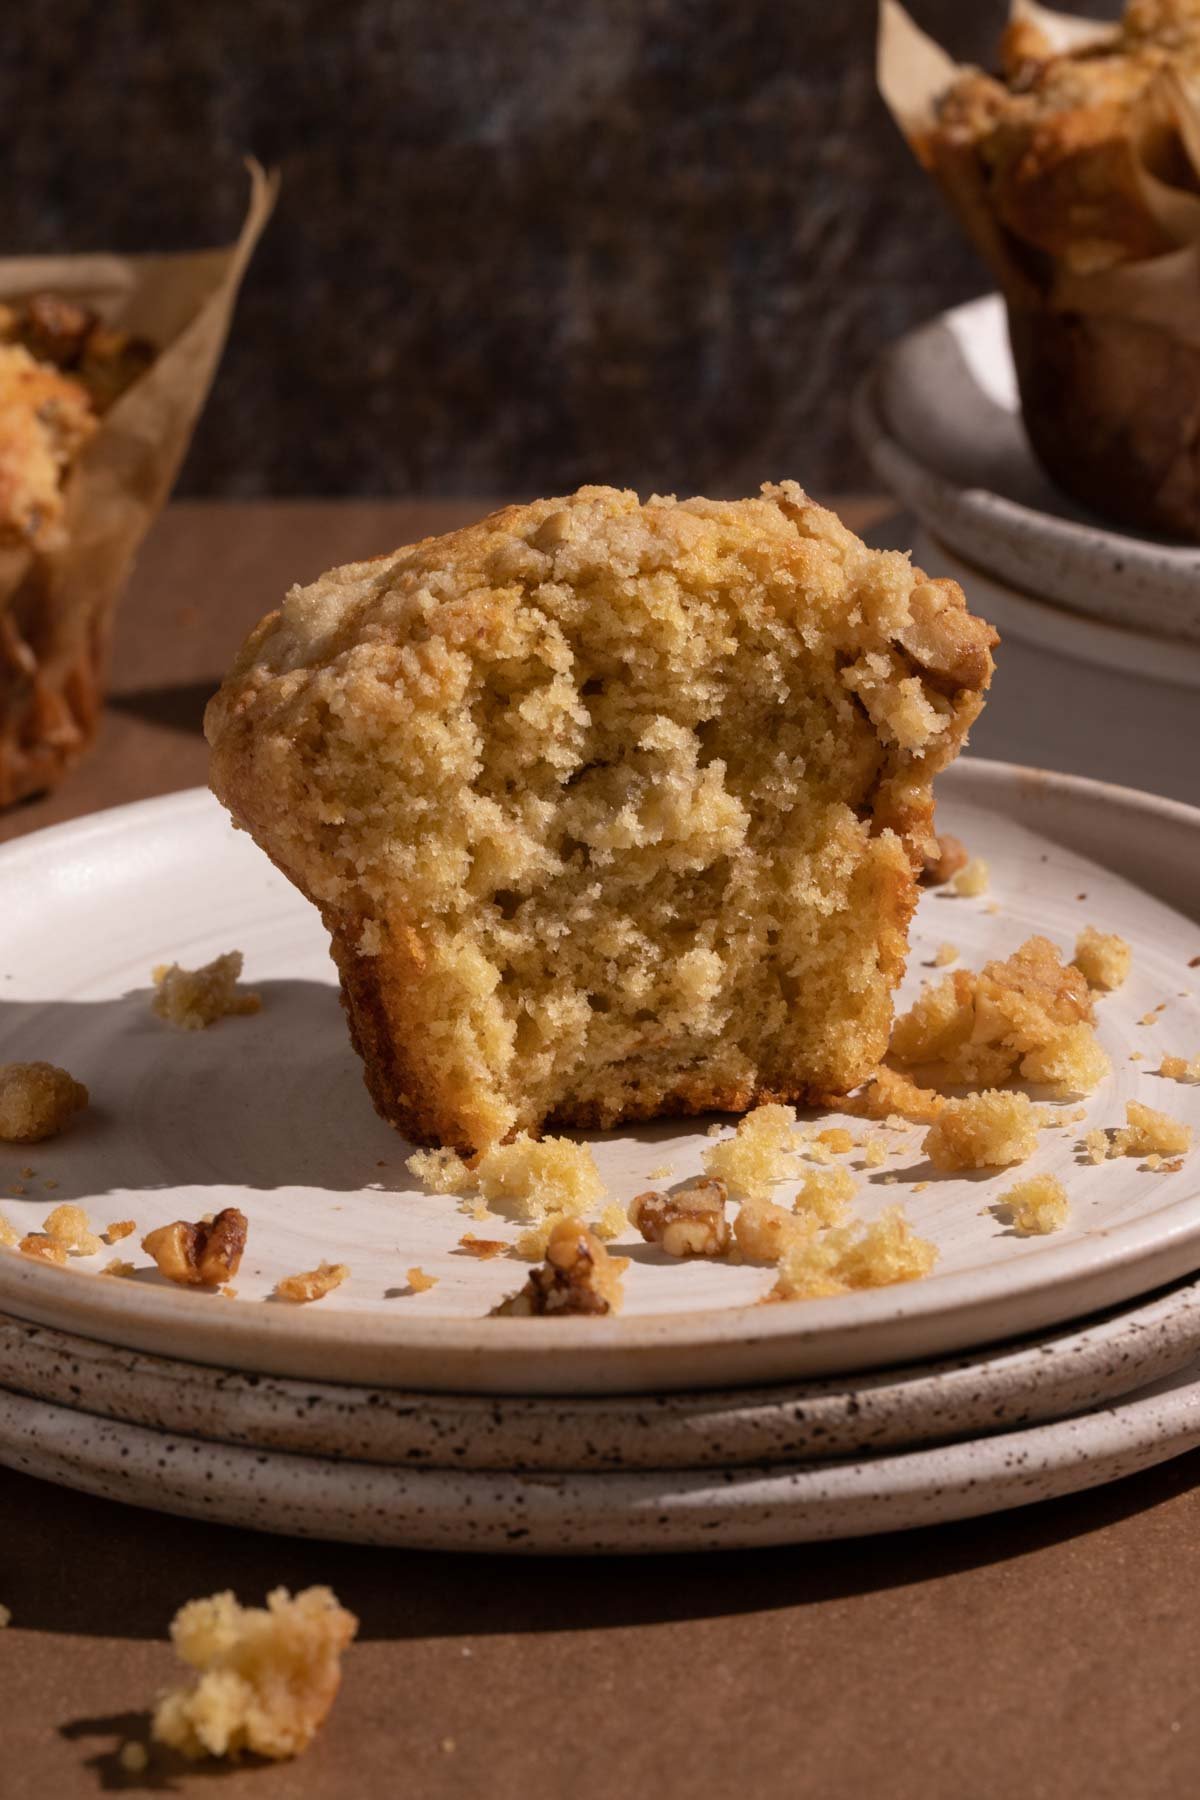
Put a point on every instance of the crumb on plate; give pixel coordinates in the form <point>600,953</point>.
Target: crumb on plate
<point>1102,958</point>
<point>989,1129</point>
<point>972,880</point>
<point>193,999</point>
<point>1036,1206</point>
<point>760,1153</point>
<point>36,1100</point>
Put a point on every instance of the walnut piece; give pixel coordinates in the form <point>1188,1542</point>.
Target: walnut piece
<point>199,1255</point>
<point>312,1284</point>
<point>36,1100</point>
<point>267,1676</point>
<point>578,1276</point>
<point>689,1222</point>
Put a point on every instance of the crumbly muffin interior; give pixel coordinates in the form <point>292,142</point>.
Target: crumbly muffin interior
<point>620,801</point>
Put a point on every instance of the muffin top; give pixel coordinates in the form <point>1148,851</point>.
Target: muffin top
<point>1086,152</point>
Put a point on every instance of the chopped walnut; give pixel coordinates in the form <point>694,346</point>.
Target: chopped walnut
<point>689,1222</point>
<point>36,1100</point>
<point>313,1284</point>
<point>1102,957</point>
<point>71,1227</point>
<point>949,857</point>
<point>483,1248</point>
<point>267,1677</point>
<point>1035,1206</point>
<point>199,1255</point>
<point>420,1282</point>
<point>578,1276</point>
<point>36,1243</point>
<point>992,1128</point>
<point>193,999</point>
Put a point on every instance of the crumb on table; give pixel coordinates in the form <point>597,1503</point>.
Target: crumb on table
<point>266,1677</point>
<point>1102,957</point>
<point>578,1276</point>
<point>193,999</point>
<point>689,1222</point>
<point>36,1100</point>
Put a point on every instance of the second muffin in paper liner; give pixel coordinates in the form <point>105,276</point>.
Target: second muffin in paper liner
<point>1076,174</point>
<point>105,364</point>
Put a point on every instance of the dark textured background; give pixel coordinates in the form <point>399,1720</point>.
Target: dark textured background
<point>521,243</point>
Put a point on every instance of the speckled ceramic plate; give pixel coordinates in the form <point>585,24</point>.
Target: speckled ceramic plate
<point>939,418</point>
<point>357,1502</point>
<point>1044,1377</point>
<point>270,1113</point>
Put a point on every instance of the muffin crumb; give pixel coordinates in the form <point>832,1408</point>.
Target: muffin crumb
<point>193,999</point>
<point>1035,1206</point>
<point>70,1226</point>
<point>267,1677</point>
<point>972,880</point>
<point>118,1229</point>
<point>419,1281</point>
<point>760,1153</point>
<point>36,1101</point>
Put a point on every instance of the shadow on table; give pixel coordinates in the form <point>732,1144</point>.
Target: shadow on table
<point>179,707</point>
<point>151,1564</point>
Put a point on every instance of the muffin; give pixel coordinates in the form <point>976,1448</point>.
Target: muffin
<point>1076,171</point>
<point>612,810</point>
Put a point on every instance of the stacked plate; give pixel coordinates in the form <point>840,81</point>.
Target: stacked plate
<point>1100,664</point>
<point>700,1417</point>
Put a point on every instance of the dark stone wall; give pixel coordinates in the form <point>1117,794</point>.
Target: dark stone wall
<point>521,243</point>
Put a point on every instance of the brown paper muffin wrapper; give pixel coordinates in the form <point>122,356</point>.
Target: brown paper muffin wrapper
<point>1107,359</point>
<point>56,607</point>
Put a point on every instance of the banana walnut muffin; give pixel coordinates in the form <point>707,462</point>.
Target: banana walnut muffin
<point>613,810</point>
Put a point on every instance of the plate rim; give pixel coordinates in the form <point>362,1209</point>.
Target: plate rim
<point>646,1351</point>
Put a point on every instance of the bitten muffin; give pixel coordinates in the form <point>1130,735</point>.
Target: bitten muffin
<point>612,810</point>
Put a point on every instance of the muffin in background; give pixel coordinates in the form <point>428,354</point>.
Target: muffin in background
<point>1076,173</point>
<point>105,363</point>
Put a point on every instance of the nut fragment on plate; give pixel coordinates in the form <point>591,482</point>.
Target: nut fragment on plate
<point>201,1254</point>
<point>689,1222</point>
<point>312,1284</point>
<point>193,999</point>
<point>988,1129</point>
<point>36,1100</point>
<point>578,1276</point>
<point>267,1676</point>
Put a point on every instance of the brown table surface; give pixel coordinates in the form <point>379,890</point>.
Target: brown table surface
<point>1048,1652</point>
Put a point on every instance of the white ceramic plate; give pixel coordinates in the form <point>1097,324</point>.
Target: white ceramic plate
<point>940,419</point>
<point>270,1113</point>
<point>1045,1377</point>
<point>437,1509</point>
